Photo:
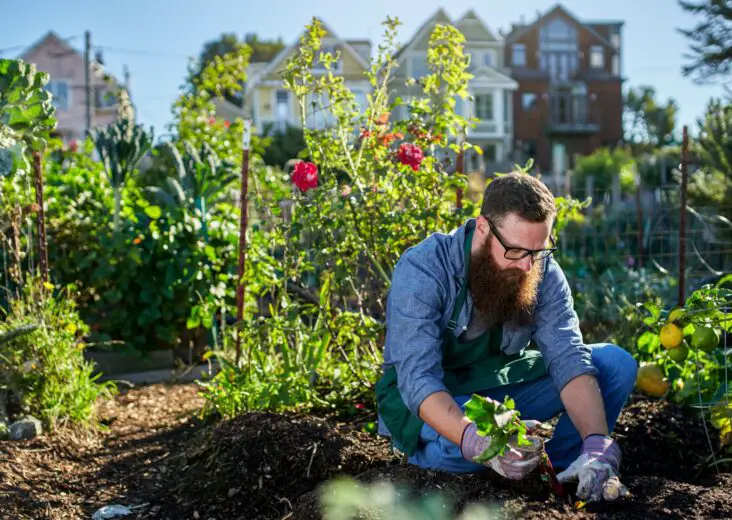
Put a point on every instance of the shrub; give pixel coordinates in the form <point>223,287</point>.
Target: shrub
<point>45,370</point>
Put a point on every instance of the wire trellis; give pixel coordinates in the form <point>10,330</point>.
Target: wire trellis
<point>722,395</point>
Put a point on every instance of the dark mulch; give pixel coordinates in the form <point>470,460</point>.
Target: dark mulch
<point>273,466</point>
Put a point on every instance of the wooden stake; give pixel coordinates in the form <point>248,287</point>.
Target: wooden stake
<point>42,249</point>
<point>243,221</point>
<point>682,218</point>
<point>460,169</point>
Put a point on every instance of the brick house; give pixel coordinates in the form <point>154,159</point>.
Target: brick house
<point>569,101</point>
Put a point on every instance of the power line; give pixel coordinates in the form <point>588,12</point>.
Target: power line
<point>139,52</point>
<point>21,47</point>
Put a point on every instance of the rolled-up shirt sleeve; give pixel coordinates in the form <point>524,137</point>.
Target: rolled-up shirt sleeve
<point>413,342</point>
<point>557,332</point>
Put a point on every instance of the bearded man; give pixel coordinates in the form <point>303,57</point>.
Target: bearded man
<point>487,310</point>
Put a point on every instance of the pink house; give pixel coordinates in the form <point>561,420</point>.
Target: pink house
<point>65,65</point>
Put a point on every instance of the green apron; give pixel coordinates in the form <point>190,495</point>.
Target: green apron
<point>471,366</point>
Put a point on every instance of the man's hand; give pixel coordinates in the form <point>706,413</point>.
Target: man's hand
<point>596,469</point>
<point>515,464</point>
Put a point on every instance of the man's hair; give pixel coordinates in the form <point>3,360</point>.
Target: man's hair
<point>518,193</point>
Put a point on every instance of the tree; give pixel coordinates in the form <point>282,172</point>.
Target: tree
<point>263,50</point>
<point>715,137</point>
<point>260,51</point>
<point>649,124</point>
<point>711,40</point>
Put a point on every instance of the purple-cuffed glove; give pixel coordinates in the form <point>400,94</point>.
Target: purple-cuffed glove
<point>597,470</point>
<point>515,464</point>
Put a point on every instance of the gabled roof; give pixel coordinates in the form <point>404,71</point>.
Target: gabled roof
<point>495,77</point>
<point>470,17</point>
<point>272,65</point>
<point>50,36</point>
<point>558,8</point>
<point>439,16</point>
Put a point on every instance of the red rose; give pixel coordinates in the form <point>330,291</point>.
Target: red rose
<point>305,175</point>
<point>411,155</point>
<point>227,124</point>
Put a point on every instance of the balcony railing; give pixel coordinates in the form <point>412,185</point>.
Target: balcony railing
<point>572,113</point>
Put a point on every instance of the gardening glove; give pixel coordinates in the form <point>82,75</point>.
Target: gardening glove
<point>515,464</point>
<point>596,469</point>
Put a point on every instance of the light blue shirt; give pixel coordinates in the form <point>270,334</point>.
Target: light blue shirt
<point>425,285</point>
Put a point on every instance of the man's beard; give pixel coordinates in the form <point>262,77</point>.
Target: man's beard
<point>503,295</point>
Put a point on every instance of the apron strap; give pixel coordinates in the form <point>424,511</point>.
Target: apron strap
<point>452,324</point>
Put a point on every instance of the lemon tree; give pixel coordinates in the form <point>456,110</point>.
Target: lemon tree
<point>685,352</point>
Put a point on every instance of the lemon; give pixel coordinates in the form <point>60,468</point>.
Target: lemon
<point>650,380</point>
<point>679,353</point>
<point>671,335</point>
<point>705,338</point>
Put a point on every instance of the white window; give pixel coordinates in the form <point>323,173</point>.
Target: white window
<point>319,114</point>
<point>459,106</point>
<point>104,97</point>
<point>282,109</point>
<point>615,40</point>
<point>528,100</point>
<point>484,107</point>
<point>332,49</point>
<point>361,100</point>
<point>61,93</point>
<point>597,57</point>
<point>559,29</point>
<point>482,59</point>
<point>519,55</point>
<point>419,66</point>
<point>616,65</point>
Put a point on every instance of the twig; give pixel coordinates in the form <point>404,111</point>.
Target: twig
<point>315,448</point>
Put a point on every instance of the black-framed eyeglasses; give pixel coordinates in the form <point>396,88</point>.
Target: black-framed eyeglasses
<point>518,253</point>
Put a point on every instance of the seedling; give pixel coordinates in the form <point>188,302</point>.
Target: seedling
<point>499,421</point>
<point>502,422</point>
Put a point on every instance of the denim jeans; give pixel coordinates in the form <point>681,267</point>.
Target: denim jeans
<point>539,400</point>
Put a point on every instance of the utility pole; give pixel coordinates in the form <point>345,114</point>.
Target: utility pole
<point>87,80</point>
<point>127,79</point>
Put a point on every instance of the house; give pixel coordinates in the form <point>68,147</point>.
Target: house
<point>490,88</point>
<point>272,107</point>
<point>569,101</point>
<point>65,65</point>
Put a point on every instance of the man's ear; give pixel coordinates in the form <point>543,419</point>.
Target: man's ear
<point>482,225</point>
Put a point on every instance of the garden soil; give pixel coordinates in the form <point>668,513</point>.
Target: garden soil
<point>158,457</point>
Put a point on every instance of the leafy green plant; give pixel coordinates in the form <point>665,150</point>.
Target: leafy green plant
<point>44,368</point>
<point>683,352</point>
<point>345,498</point>
<point>121,146</point>
<point>26,114</point>
<point>499,421</point>
<point>604,164</point>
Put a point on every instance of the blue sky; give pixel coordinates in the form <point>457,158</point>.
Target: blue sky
<point>155,37</point>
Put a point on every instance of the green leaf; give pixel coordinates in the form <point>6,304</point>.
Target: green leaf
<point>648,342</point>
<point>154,212</point>
<point>655,313</point>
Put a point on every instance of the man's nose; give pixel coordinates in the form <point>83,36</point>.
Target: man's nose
<point>526,263</point>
